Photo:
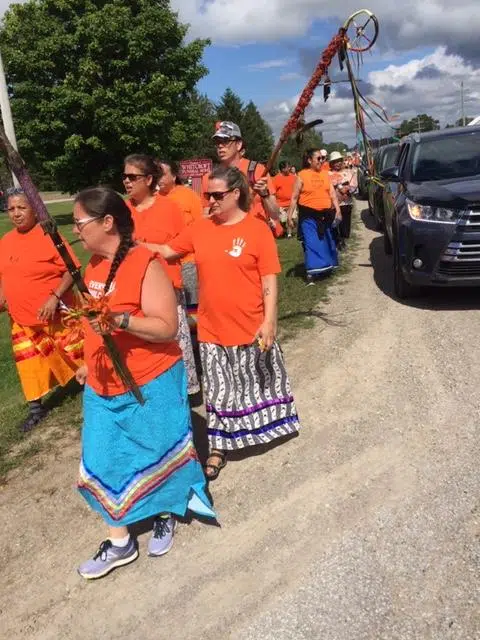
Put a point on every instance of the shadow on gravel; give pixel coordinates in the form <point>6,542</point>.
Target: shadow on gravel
<point>434,298</point>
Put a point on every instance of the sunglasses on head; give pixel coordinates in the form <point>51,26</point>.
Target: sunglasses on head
<point>216,195</point>
<point>133,177</point>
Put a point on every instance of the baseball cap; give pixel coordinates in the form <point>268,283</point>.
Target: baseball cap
<point>227,129</point>
<point>324,153</point>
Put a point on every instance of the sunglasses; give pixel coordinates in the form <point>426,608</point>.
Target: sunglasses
<point>132,177</point>
<point>218,196</point>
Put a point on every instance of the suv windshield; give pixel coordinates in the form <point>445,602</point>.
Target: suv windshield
<point>454,156</point>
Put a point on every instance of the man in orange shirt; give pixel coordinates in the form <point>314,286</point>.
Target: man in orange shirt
<point>230,151</point>
<point>283,184</point>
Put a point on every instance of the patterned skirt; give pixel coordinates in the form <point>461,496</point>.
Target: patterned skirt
<point>42,363</point>
<point>184,340</point>
<point>247,394</point>
<point>190,289</point>
<point>140,460</point>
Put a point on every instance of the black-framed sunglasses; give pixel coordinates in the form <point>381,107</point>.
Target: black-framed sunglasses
<point>133,177</point>
<point>218,196</point>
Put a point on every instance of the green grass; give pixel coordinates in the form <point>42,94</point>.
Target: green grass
<point>297,310</point>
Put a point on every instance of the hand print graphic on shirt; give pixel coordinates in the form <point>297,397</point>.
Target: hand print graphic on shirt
<point>237,248</point>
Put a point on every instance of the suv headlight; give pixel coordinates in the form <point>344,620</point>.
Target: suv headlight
<point>433,214</point>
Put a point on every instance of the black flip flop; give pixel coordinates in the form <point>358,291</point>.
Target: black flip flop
<point>216,468</point>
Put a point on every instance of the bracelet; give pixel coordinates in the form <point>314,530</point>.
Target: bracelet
<point>125,321</point>
<point>265,195</point>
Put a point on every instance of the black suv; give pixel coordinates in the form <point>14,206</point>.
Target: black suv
<point>432,210</point>
<point>384,157</point>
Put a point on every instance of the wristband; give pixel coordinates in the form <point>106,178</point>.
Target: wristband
<point>125,321</point>
<point>265,195</point>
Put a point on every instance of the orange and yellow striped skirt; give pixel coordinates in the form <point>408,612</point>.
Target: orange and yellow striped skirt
<point>42,363</point>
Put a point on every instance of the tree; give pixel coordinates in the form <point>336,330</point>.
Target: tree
<point>203,118</point>
<point>93,80</point>
<point>420,124</point>
<point>257,134</point>
<point>230,108</point>
<point>293,152</point>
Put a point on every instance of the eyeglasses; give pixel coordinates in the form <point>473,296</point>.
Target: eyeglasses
<point>223,142</point>
<point>132,177</point>
<point>218,196</point>
<point>82,222</point>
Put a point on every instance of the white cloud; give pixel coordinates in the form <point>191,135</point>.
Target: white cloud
<point>429,23</point>
<point>268,64</point>
<point>292,75</point>
<point>425,85</point>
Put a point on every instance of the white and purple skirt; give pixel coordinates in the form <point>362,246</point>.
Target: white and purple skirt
<point>247,395</point>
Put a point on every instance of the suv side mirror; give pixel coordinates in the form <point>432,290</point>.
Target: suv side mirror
<point>390,174</point>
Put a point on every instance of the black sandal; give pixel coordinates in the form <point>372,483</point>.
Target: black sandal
<point>216,467</point>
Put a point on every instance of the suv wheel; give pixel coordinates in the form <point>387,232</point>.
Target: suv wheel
<point>403,289</point>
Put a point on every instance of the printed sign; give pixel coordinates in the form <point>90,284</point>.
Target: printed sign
<point>195,168</point>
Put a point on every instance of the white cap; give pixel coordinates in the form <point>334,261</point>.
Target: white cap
<point>335,155</point>
<point>324,152</point>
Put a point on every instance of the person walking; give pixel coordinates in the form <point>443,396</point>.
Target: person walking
<point>316,199</point>
<point>231,153</point>
<point>190,203</point>
<point>157,220</point>
<point>249,400</point>
<point>138,461</point>
<point>283,184</point>
<point>344,181</point>
<point>33,282</point>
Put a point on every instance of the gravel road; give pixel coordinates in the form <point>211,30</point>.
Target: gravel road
<point>366,527</point>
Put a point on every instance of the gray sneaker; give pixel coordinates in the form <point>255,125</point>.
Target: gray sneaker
<point>162,536</point>
<point>107,558</point>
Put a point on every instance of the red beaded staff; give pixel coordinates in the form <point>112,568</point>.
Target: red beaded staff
<point>358,35</point>
<point>90,307</point>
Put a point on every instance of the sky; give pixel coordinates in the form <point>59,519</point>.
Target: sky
<point>266,51</point>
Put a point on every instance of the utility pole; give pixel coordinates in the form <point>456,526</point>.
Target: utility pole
<point>462,94</point>
<point>7,113</point>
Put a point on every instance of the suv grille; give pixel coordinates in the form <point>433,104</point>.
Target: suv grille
<point>462,258</point>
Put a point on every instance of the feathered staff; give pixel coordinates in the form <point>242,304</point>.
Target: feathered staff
<point>90,307</point>
<point>337,46</point>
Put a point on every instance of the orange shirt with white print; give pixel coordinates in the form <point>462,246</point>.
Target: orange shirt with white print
<point>191,207</point>
<point>256,207</point>
<point>159,224</point>
<point>145,360</point>
<point>231,260</point>
<point>315,192</point>
<point>30,269</point>
<point>283,188</point>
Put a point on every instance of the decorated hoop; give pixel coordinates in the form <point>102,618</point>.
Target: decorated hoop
<point>362,31</point>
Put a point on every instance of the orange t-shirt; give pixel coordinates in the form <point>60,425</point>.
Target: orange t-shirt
<point>231,260</point>
<point>159,224</point>
<point>191,207</point>
<point>315,192</point>
<point>145,360</point>
<point>30,269</point>
<point>256,206</point>
<point>283,186</point>
<point>325,166</point>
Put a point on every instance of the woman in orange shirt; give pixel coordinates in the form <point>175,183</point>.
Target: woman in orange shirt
<point>157,220</point>
<point>138,460</point>
<point>190,203</point>
<point>33,281</point>
<point>316,199</point>
<point>248,395</point>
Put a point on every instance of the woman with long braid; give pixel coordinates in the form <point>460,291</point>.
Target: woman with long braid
<point>138,460</point>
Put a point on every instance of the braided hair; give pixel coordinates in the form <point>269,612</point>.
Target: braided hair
<point>99,202</point>
<point>147,166</point>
